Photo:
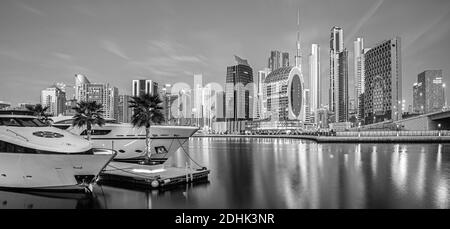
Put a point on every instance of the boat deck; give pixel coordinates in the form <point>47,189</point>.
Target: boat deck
<point>150,176</point>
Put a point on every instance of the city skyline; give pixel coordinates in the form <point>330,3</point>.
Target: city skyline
<point>26,52</point>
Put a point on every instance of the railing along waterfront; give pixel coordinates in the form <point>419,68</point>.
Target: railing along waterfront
<point>379,133</point>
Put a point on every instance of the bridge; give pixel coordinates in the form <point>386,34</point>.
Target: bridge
<point>431,121</point>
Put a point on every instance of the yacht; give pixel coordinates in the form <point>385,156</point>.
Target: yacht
<point>129,141</point>
<point>36,156</point>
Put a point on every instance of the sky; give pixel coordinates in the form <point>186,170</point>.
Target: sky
<point>49,41</point>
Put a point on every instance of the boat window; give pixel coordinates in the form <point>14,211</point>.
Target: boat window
<point>9,122</point>
<point>23,122</point>
<point>69,121</point>
<point>12,148</point>
<point>97,132</point>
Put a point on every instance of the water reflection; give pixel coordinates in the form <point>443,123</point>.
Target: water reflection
<point>285,173</point>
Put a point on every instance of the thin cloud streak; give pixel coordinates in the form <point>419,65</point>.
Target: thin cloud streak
<point>363,21</point>
<point>114,48</point>
<point>29,8</point>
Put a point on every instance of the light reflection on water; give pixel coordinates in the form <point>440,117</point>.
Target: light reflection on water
<point>286,173</point>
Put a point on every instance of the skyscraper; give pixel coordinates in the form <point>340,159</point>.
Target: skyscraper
<point>239,89</point>
<point>314,73</point>
<point>140,87</point>
<point>220,106</point>
<point>274,61</point>
<point>124,110</point>
<point>260,105</point>
<point>285,59</point>
<point>54,98</point>
<point>102,93</point>
<point>358,63</point>
<point>418,98</point>
<point>198,98</point>
<point>342,111</point>
<point>338,93</point>
<point>383,82</point>
<point>430,90</point>
<point>284,89</point>
<point>307,118</point>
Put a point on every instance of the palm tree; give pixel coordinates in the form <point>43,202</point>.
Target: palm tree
<point>146,111</point>
<point>88,114</point>
<point>39,111</point>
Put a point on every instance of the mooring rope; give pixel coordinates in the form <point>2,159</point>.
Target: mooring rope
<point>185,152</point>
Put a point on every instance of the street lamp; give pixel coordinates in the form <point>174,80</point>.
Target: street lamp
<point>359,129</point>
<point>445,99</point>
<point>439,129</point>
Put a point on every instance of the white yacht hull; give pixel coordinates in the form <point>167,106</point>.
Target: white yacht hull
<point>129,142</point>
<point>50,171</point>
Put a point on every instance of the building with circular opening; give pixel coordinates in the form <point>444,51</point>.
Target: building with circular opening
<point>284,92</point>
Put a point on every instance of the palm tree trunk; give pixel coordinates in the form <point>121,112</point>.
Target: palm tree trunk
<point>88,130</point>
<point>147,143</point>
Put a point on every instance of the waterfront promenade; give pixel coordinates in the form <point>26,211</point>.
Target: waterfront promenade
<point>358,137</point>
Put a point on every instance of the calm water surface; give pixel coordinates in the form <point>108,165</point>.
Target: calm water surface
<point>284,173</point>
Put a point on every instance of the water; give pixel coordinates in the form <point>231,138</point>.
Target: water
<point>284,173</point>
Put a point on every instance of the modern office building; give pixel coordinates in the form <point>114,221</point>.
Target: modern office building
<point>430,95</point>
<point>278,59</point>
<point>238,89</point>
<point>4,105</point>
<point>198,97</point>
<point>102,93</point>
<point>358,63</point>
<point>54,98</point>
<point>284,89</point>
<point>308,117</point>
<point>285,59</point>
<point>322,117</point>
<point>70,104</point>
<point>140,87</point>
<point>418,99</point>
<point>343,100</point>
<point>274,61</point>
<point>383,82</point>
<point>260,101</point>
<point>338,93</point>
<point>314,78</point>
<point>81,83</point>
<point>124,110</point>
<point>220,106</point>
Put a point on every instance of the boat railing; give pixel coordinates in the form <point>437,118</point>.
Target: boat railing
<point>19,135</point>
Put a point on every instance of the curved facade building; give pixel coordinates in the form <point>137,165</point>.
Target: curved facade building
<point>284,91</point>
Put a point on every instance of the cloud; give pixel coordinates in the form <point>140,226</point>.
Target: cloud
<point>114,48</point>
<point>63,56</point>
<point>29,8</point>
<point>369,14</point>
<point>13,55</point>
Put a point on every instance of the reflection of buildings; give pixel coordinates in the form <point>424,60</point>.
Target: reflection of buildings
<point>383,82</point>
<point>428,92</point>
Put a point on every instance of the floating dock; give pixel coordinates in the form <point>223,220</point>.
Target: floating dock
<point>150,176</point>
